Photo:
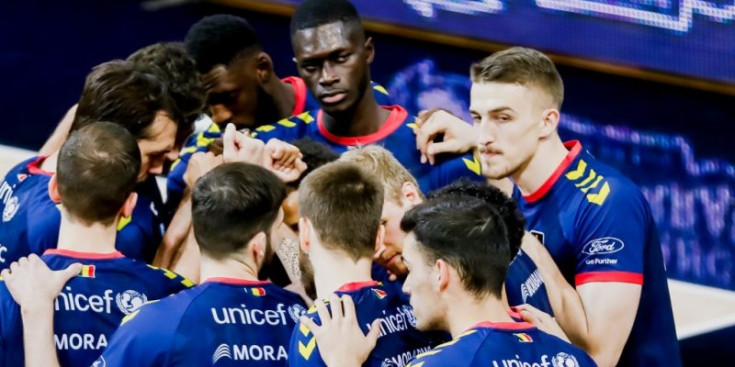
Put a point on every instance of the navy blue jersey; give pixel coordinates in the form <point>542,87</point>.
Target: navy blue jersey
<point>598,227</point>
<point>31,220</point>
<point>222,322</point>
<point>524,284</point>
<point>399,340</point>
<point>504,344</point>
<point>305,101</point>
<point>90,306</point>
<point>396,135</point>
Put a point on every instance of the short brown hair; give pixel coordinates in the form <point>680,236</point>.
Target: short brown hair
<point>97,170</point>
<point>384,166</point>
<point>343,203</point>
<point>124,93</point>
<point>522,66</point>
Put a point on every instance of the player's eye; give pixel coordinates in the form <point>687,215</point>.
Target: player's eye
<point>310,68</point>
<point>342,58</point>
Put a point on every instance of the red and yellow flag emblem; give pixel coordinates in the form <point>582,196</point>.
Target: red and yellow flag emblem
<point>258,291</point>
<point>87,271</point>
<point>380,293</point>
<point>524,338</point>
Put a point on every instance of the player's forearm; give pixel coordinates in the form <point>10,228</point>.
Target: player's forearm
<point>38,337</point>
<point>176,234</point>
<point>288,252</point>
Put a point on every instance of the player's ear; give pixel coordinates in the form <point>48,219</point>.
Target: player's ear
<point>370,49</point>
<point>258,246</point>
<point>304,233</point>
<point>410,195</point>
<point>549,123</point>
<point>129,205</point>
<point>264,67</point>
<point>443,274</point>
<point>53,189</point>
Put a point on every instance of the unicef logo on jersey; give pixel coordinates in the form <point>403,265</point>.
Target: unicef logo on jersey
<point>11,207</point>
<point>564,360</point>
<point>296,311</point>
<point>603,246</point>
<point>130,301</point>
<point>408,311</point>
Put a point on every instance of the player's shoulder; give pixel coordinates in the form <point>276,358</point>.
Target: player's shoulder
<point>168,311</point>
<point>289,127</point>
<point>455,352</point>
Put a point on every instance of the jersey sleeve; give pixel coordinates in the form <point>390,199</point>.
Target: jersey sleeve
<point>382,97</point>
<point>288,129</point>
<point>611,233</point>
<point>303,350</point>
<point>456,167</point>
<point>143,339</point>
<point>173,283</point>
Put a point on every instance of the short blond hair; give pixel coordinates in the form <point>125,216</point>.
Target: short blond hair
<point>384,166</point>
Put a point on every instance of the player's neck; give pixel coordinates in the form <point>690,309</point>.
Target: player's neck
<point>333,269</point>
<point>235,266</point>
<point>283,97</point>
<point>367,118</point>
<point>467,311</point>
<point>549,155</point>
<point>79,237</point>
<point>49,164</point>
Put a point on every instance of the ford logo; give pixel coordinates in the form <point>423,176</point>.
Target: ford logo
<point>603,246</point>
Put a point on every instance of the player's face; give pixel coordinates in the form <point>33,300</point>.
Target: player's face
<point>508,118</point>
<point>334,61</point>
<point>158,147</point>
<point>421,286</point>
<point>233,94</point>
<point>389,253</point>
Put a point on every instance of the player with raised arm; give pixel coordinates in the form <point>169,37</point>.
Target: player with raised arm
<point>333,56</point>
<point>339,228</point>
<point>605,274</point>
<point>98,167</point>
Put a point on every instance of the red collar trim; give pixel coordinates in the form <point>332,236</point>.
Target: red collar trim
<point>34,167</point>
<point>574,147</point>
<point>504,325</point>
<point>515,314</point>
<point>350,287</point>
<point>396,118</point>
<point>236,281</point>
<point>299,93</point>
<point>85,255</point>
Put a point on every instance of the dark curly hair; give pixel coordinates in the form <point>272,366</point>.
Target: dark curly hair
<point>220,39</point>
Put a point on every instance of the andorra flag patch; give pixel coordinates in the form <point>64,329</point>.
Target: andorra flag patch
<point>258,291</point>
<point>524,338</point>
<point>87,271</point>
<point>380,293</point>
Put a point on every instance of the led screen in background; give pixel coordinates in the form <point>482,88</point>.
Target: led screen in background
<point>694,38</point>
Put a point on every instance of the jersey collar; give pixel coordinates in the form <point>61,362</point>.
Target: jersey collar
<point>34,167</point>
<point>235,281</point>
<point>299,93</point>
<point>574,147</point>
<point>504,325</point>
<point>351,287</point>
<point>396,118</point>
<point>85,255</point>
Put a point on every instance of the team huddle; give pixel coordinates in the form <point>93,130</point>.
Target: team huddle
<point>308,221</point>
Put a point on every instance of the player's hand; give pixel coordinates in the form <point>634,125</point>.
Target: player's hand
<point>340,339</point>
<point>284,160</point>
<point>199,164</point>
<point>458,136</point>
<point>238,147</point>
<point>542,321</point>
<point>33,285</point>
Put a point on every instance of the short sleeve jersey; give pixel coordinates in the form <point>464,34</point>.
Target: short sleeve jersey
<point>399,340</point>
<point>504,344</point>
<point>396,135</point>
<point>305,101</point>
<point>31,220</point>
<point>598,227</point>
<point>90,306</point>
<point>221,322</point>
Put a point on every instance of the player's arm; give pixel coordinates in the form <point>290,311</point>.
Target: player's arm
<point>341,341</point>
<point>59,135</point>
<point>34,287</point>
<point>598,315</point>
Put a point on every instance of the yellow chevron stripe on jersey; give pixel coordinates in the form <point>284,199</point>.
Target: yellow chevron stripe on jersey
<point>600,197</point>
<point>306,350</point>
<point>286,123</point>
<point>129,317</point>
<point>380,89</point>
<point>413,125</point>
<point>473,165</point>
<point>587,180</point>
<point>265,128</point>
<point>415,365</point>
<point>304,329</point>
<point>594,184</point>
<point>577,173</point>
<point>124,221</point>
<point>305,117</point>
